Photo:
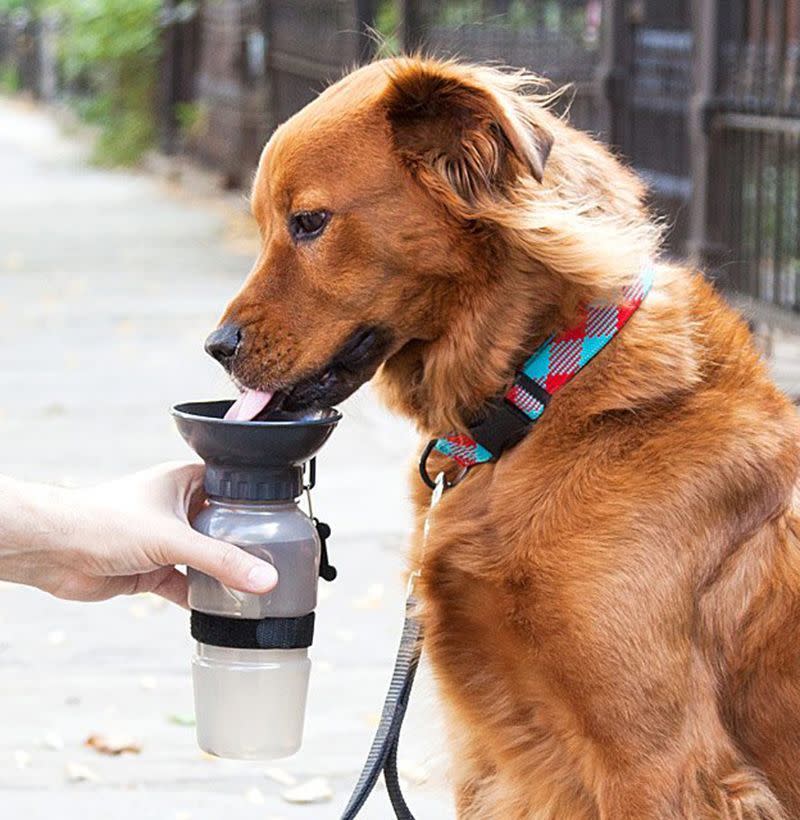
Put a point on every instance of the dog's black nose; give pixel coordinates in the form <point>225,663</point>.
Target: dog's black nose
<point>223,343</point>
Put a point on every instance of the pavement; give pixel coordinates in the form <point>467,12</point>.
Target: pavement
<point>785,360</point>
<point>109,282</point>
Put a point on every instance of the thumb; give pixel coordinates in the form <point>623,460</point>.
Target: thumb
<point>228,563</point>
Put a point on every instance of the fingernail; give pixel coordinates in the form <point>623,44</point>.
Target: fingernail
<point>262,576</point>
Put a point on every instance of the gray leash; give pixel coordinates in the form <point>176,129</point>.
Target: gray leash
<point>382,755</point>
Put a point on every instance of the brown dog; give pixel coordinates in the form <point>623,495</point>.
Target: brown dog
<point>613,607</point>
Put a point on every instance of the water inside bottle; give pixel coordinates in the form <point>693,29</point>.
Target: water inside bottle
<point>252,701</point>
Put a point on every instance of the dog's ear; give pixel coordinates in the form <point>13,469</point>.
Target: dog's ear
<point>455,130</point>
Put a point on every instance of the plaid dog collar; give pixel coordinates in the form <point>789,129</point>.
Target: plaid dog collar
<point>508,418</point>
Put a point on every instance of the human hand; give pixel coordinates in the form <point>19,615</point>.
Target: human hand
<point>119,538</point>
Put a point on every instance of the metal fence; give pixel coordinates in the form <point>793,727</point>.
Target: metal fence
<point>232,87</point>
<point>247,65</point>
<point>19,39</point>
<point>557,40</point>
<point>180,63</point>
<point>754,133</point>
<point>701,96</point>
<point>312,43</point>
<point>655,109</point>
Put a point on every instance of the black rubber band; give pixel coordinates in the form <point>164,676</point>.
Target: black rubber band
<point>248,633</point>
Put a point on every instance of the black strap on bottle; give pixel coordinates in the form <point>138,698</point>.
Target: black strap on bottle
<point>382,755</point>
<point>249,633</point>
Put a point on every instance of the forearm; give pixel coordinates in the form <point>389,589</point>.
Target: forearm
<point>34,519</point>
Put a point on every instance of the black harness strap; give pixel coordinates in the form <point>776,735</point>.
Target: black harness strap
<point>382,755</point>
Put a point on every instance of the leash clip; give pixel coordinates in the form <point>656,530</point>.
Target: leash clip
<point>439,487</point>
<point>412,580</point>
<point>431,483</point>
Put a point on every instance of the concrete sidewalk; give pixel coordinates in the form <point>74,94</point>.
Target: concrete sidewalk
<point>109,283</point>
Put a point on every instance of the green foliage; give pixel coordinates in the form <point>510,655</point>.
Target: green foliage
<point>110,48</point>
<point>387,28</point>
<point>192,119</point>
<point>12,5</point>
<point>9,73</point>
<point>9,79</point>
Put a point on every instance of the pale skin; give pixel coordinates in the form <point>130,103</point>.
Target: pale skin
<point>118,538</point>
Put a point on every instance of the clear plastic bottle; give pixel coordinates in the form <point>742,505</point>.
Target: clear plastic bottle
<point>250,703</point>
<point>250,667</point>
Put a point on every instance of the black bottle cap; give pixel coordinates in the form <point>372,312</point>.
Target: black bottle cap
<point>253,460</point>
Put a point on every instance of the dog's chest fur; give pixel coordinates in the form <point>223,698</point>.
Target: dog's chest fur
<point>566,584</point>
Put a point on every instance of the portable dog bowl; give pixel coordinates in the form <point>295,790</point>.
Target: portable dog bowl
<point>251,667</point>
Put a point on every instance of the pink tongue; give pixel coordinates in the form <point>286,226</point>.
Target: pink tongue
<point>249,405</point>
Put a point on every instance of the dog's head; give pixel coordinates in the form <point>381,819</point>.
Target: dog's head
<point>364,202</point>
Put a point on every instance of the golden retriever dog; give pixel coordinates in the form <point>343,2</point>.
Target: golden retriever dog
<point>612,608</point>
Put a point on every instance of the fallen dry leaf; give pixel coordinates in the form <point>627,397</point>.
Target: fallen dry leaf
<point>125,327</point>
<point>280,776</point>
<point>78,773</point>
<point>112,745</point>
<point>54,741</point>
<point>22,759</point>
<point>139,610</point>
<point>182,719</point>
<point>255,796</point>
<point>414,773</point>
<point>372,599</point>
<point>316,790</point>
<point>13,260</point>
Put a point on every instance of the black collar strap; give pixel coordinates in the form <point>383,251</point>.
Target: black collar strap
<point>507,418</point>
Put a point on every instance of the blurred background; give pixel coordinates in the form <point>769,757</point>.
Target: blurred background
<point>700,96</point>
<point>129,133</point>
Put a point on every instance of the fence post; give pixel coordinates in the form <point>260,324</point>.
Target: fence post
<point>613,71</point>
<point>411,26</point>
<point>704,91</point>
<point>366,12</point>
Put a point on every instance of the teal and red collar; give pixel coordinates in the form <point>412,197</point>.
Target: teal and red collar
<point>508,418</point>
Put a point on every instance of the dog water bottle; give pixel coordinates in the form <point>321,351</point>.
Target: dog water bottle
<point>251,665</point>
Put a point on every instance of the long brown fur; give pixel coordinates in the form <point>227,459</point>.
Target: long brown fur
<point>612,609</point>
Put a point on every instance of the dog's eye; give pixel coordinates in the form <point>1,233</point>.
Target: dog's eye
<point>308,224</point>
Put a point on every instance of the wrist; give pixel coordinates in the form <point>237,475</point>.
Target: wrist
<point>35,519</point>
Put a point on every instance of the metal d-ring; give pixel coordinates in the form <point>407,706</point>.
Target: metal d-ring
<point>426,477</point>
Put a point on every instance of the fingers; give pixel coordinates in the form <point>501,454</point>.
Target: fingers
<point>227,563</point>
<point>167,582</point>
<point>187,480</point>
<point>174,588</point>
<point>176,486</point>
